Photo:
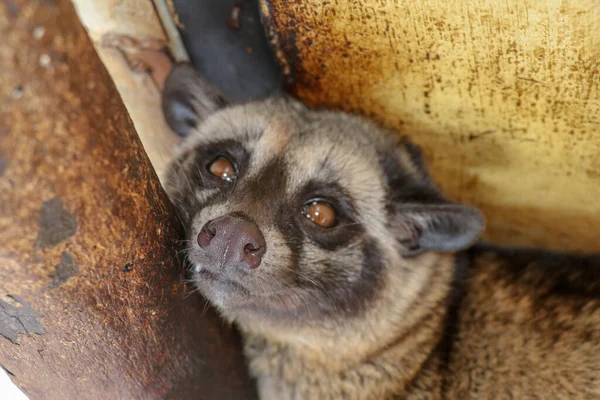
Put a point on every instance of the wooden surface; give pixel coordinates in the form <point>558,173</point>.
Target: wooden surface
<point>88,238</point>
<point>503,95</point>
<point>135,49</point>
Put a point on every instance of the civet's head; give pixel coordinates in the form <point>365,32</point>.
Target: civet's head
<point>297,213</point>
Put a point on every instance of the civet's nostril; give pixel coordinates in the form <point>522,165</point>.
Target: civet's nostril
<point>251,248</point>
<point>233,240</point>
<point>253,253</point>
<point>206,235</point>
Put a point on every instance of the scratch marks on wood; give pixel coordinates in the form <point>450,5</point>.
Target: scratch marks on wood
<point>474,136</point>
<point>530,80</point>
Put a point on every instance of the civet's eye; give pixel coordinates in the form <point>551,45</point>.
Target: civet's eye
<point>320,213</point>
<point>222,168</point>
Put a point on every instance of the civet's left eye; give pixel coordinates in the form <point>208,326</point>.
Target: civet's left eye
<point>223,168</point>
<point>320,213</point>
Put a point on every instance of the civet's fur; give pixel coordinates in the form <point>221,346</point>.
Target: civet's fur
<point>394,302</point>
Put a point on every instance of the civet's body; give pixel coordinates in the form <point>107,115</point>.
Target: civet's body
<point>351,276</point>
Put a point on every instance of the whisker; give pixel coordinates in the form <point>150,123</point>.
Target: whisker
<point>181,251</point>
<point>349,224</point>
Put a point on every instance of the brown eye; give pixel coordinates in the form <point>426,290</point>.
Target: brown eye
<point>320,213</point>
<point>223,168</point>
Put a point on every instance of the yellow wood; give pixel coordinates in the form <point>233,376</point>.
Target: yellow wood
<point>503,95</point>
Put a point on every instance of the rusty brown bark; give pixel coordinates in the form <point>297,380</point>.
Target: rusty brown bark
<point>87,236</point>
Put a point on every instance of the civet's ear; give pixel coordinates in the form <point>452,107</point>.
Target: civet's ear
<point>436,227</point>
<point>187,99</point>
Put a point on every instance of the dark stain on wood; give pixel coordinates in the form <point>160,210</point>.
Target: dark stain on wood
<point>57,224</point>
<point>3,165</point>
<point>12,8</point>
<point>15,321</point>
<point>128,267</point>
<point>64,270</point>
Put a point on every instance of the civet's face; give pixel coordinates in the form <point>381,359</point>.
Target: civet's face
<point>292,212</point>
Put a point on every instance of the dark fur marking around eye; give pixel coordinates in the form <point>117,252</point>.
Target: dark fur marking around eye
<point>190,173</point>
<point>345,230</point>
<point>372,268</point>
<point>288,227</point>
<point>333,295</point>
<point>353,299</point>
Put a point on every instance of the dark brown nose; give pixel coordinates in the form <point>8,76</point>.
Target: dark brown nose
<point>233,240</point>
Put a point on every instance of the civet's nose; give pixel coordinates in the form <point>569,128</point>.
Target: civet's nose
<point>233,240</point>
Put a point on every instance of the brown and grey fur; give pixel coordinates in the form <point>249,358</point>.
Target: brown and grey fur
<point>396,301</point>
